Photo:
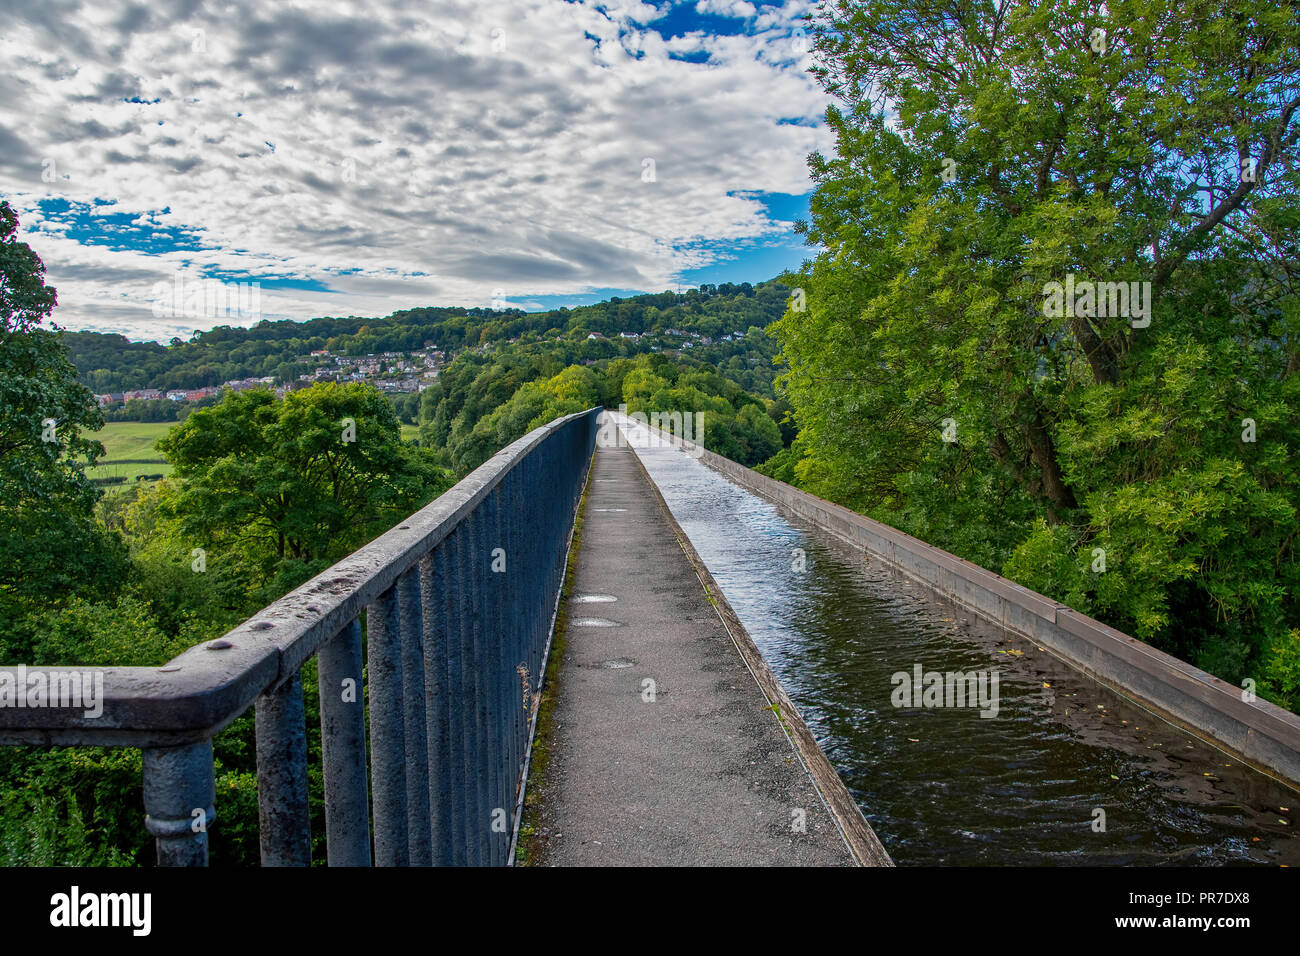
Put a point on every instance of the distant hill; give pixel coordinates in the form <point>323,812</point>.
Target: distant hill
<point>698,321</point>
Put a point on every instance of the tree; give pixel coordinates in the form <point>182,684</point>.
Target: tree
<point>575,389</point>
<point>50,544</point>
<point>987,151</point>
<point>306,477</point>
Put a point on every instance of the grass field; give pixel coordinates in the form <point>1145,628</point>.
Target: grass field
<point>131,439</point>
<point>125,444</point>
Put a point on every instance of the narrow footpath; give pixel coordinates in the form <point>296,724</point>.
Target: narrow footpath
<point>665,750</point>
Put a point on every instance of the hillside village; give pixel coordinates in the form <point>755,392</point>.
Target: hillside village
<point>393,372</point>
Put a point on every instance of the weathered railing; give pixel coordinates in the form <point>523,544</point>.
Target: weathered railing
<point>459,601</point>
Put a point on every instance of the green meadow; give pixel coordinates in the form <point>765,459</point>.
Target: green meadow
<point>129,451</point>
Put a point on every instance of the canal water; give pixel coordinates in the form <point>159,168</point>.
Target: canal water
<point>1066,773</point>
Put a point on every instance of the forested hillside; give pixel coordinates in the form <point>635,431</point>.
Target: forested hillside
<point>111,363</point>
<point>482,402</point>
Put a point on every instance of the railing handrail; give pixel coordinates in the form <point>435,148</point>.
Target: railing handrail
<point>205,688</point>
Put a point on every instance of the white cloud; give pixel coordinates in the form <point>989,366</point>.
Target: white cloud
<point>726,8</point>
<point>436,153</point>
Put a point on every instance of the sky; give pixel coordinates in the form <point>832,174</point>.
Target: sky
<point>358,159</point>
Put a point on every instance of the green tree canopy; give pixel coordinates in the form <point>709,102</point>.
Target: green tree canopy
<point>309,476</point>
<point>50,544</point>
<point>987,150</point>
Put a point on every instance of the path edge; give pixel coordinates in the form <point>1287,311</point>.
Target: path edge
<point>551,659</point>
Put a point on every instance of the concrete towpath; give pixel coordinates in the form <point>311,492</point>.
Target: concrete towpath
<point>664,749</point>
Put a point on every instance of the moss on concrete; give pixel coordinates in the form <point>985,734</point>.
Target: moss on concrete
<point>527,848</point>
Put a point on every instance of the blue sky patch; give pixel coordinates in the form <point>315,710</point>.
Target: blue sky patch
<point>118,230</point>
<point>682,19</point>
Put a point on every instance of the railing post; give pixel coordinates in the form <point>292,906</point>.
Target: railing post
<point>457,806</point>
<point>529,600</point>
<point>283,824</point>
<point>467,548</point>
<point>343,748</point>
<point>387,740</point>
<point>179,793</point>
<point>500,751</point>
<point>433,596</point>
<point>535,590</point>
<point>513,610</point>
<point>481,849</point>
<point>415,731</point>
<point>511,627</point>
<point>548,546</point>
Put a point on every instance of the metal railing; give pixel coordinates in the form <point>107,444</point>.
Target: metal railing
<point>460,600</point>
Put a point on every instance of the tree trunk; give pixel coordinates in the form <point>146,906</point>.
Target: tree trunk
<point>1059,495</point>
<point>1100,359</point>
